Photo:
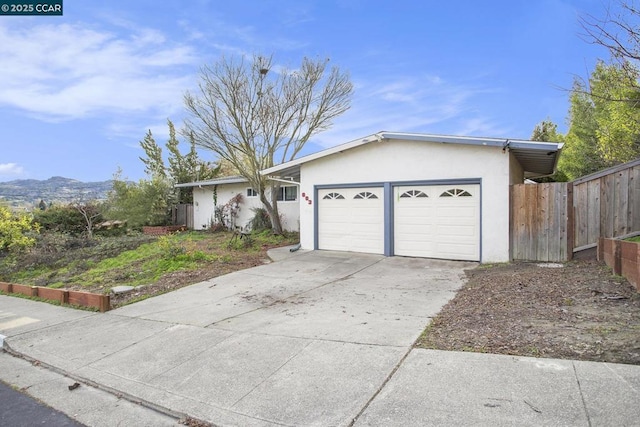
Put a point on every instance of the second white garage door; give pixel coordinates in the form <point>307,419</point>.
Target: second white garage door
<point>437,221</point>
<point>351,219</point>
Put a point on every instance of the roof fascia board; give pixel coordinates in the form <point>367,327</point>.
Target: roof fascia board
<point>320,154</point>
<point>220,181</point>
<point>535,145</point>
<point>445,139</point>
<point>492,142</point>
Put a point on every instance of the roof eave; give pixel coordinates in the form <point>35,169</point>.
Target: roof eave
<point>217,181</point>
<point>516,145</point>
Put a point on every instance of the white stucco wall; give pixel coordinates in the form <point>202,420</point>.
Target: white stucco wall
<point>394,160</point>
<point>203,206</point>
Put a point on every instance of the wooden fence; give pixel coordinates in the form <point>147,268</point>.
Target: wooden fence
<point>541,221</point>
<point>551,221</point>
<point>183,215</point>
<point>607,204</point>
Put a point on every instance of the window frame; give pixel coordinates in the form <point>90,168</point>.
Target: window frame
<point>282,193</point>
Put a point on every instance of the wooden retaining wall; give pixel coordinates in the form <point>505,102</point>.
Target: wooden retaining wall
<point>162,230</point>
<point>63,296</point>
<point>623,257</point>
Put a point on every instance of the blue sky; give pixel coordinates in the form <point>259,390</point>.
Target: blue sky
<point>78,92</point>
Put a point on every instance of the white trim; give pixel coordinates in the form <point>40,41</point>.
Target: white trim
<point>516,145</point>
<point>285,181</point>
<point>217,181</point>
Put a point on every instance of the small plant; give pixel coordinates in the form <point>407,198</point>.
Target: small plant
<point>170,248</point>
<point>260,220</point>
<point>226,214</point>
<point>15,230</point>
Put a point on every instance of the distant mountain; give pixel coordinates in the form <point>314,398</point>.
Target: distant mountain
<point>27,193</point>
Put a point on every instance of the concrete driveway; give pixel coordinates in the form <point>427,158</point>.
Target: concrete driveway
<point>306,341</point>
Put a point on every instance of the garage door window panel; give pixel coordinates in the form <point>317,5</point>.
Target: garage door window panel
<point>411,194</point>
<point>365,195</point>
<point>456,192</point>
<point>333,196</point>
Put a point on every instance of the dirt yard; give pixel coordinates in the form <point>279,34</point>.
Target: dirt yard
<point>578,311</point>
<point>179,279</point>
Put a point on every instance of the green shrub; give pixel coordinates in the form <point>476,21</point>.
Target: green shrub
<point>16,231</point>
<point>142,203</point>
<point>260,220</point>
<point>63,219</point>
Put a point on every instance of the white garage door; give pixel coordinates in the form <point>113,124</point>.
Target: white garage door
<point>351,219</point>
<point>438,221</point>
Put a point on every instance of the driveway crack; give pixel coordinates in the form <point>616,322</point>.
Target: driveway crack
<point>382,386</point>
<point>272,374</point>
<point>584,403</point>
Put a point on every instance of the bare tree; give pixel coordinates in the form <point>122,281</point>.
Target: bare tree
<point>90,213</point>
<point>619,33</point>
<point>254,116</point>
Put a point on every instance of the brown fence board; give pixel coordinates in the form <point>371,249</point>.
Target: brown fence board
<point>518,222</point>
<point>581,203</point>
<point>547,198</point>
<point>549,221</point>
<point>531,194</point>
<point>634,198</point>
<point>622,225</point>
<point>538,222</point>
<point>558,249</point>
<point>190,217</point>
<point>607,204</point>
<point>592,212</point>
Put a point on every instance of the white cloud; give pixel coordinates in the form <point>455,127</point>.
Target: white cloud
<point>64,72</point>
<point>482,126</point>
<point>10,169</point>
<point>428,104</point>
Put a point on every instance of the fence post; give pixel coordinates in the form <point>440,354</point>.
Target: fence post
<point>617,257</point>
<point>570,222</point>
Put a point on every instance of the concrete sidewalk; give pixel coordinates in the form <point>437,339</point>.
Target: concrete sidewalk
<point>319,338</point>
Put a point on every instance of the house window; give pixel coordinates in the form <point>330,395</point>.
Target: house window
<point>251,192</point>
<point>288,193</point>
<point>365,195</point>
<point>456,192</point>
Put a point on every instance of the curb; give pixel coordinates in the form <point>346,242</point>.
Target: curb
<point>178,416</point>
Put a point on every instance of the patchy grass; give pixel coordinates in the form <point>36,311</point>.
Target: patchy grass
<point>634,239</point>
<point>158,264</point>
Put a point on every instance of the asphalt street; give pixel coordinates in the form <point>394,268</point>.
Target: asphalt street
<point>20,410</point>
